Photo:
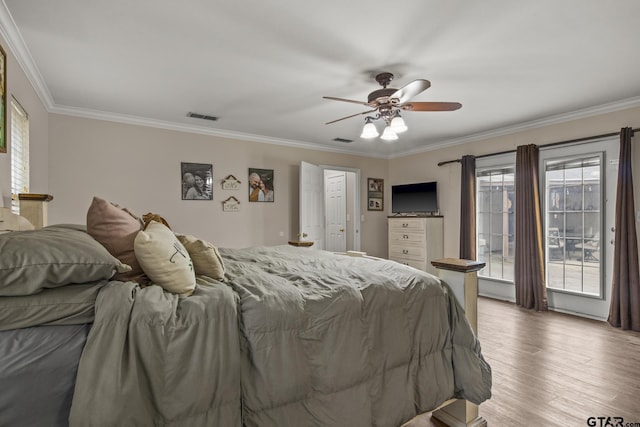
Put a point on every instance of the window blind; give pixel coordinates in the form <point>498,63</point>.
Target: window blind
<point>19,154</point>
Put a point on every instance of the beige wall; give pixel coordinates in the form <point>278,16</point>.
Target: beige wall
<point>424,166</point>
<point>19,87</point>
<point>139,167</point>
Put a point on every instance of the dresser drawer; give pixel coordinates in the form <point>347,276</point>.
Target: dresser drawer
<point>418,253</point>
<point>420,265</point>
<point>415,241</point>
<point>408,224</point>
<point>406,237</point>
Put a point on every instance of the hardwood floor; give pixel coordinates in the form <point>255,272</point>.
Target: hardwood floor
<point>553,369</point>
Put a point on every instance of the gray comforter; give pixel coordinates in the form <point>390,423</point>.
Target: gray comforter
<point>155,359</point>
<point>295,337</point>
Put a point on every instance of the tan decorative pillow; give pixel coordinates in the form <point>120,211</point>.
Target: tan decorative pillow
<point>206,258</point>
<point>116,229</point>
<point>164,259</point>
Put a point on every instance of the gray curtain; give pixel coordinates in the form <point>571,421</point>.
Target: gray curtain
<point>468,208</point>
<point>624,311</point>
<point>531,290</point>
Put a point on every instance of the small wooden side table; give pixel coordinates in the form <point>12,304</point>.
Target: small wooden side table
<point>300,243</point>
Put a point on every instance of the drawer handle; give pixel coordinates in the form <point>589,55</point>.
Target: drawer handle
<point>405,225</point>
<point>404,251</point>
<point>405,236</point>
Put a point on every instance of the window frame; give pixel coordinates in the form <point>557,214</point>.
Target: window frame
<point>506,161</point>
<point>560,157</point>
<point>19,153</point>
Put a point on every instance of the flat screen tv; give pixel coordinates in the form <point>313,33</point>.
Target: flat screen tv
<point>417,199</point>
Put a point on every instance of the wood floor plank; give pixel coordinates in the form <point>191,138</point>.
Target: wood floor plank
<point>555,369</point>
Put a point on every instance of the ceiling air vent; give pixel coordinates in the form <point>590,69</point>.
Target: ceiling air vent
<point>202,116</point>
<point>342,140</point>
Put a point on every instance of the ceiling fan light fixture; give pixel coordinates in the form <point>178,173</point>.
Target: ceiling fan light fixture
<point>397,124</point>
<point>386,104</point>
<point>388,134</point>
<point>369,130</point>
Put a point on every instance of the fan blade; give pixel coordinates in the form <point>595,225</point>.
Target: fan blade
<point>430,106</point>
<point>345,100</point>
<point>410,90</point>
<point>353,115</point>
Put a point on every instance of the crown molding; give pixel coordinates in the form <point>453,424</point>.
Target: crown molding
<point>18,47</point>
<point>548,121</point>
<point>16,44</point>
<point>201,130</point>
<point>181,127</point>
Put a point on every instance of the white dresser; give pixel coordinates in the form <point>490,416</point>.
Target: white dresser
<point>416,241</point>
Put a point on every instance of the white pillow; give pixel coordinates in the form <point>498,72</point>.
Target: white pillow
<point>164,259</point>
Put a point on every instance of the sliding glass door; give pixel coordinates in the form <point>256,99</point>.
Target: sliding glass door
<point>578,195</point>
<point>574,224</point>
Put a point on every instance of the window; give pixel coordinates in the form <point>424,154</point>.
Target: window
<point>19,154</point>
<point>577,196</point>
<point>495,222</point>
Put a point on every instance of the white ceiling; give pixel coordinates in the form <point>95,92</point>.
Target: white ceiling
<point>262,67</point>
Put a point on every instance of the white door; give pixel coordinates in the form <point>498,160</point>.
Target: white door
<point>578,191</point>
<point>311,204</point>
<point>336,211</point>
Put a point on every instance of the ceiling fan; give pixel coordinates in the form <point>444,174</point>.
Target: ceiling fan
<point>387,103</point>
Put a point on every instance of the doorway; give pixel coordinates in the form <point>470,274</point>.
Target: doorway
<point>330,207</point>
<point>578,190</point>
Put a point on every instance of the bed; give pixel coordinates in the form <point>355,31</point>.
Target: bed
<point>286,336</point>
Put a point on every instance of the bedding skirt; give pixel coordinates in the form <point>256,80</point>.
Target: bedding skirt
<point>38,374</point>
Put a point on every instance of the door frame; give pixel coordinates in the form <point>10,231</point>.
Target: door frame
<point>590,306</point>
<point>355,198</point>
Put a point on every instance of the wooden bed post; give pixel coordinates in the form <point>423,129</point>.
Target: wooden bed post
<point>462,276</point>
<point>34,208</point>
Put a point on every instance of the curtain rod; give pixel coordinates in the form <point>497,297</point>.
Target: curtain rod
<point>551,144</point>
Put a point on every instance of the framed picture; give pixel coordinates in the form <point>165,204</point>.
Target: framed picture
<point>3,101</point>
<point>375,194</point>
<point>261,187</point>
<point>197,179</point>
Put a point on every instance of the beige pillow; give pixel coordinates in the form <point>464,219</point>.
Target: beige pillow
<point>116,228</point>
<point>206,258</point>
<point>164,259</point>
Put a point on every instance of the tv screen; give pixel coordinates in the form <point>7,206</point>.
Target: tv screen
<point>419,198</point>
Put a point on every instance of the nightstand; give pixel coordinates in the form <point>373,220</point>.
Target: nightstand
<point>300,243</point>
